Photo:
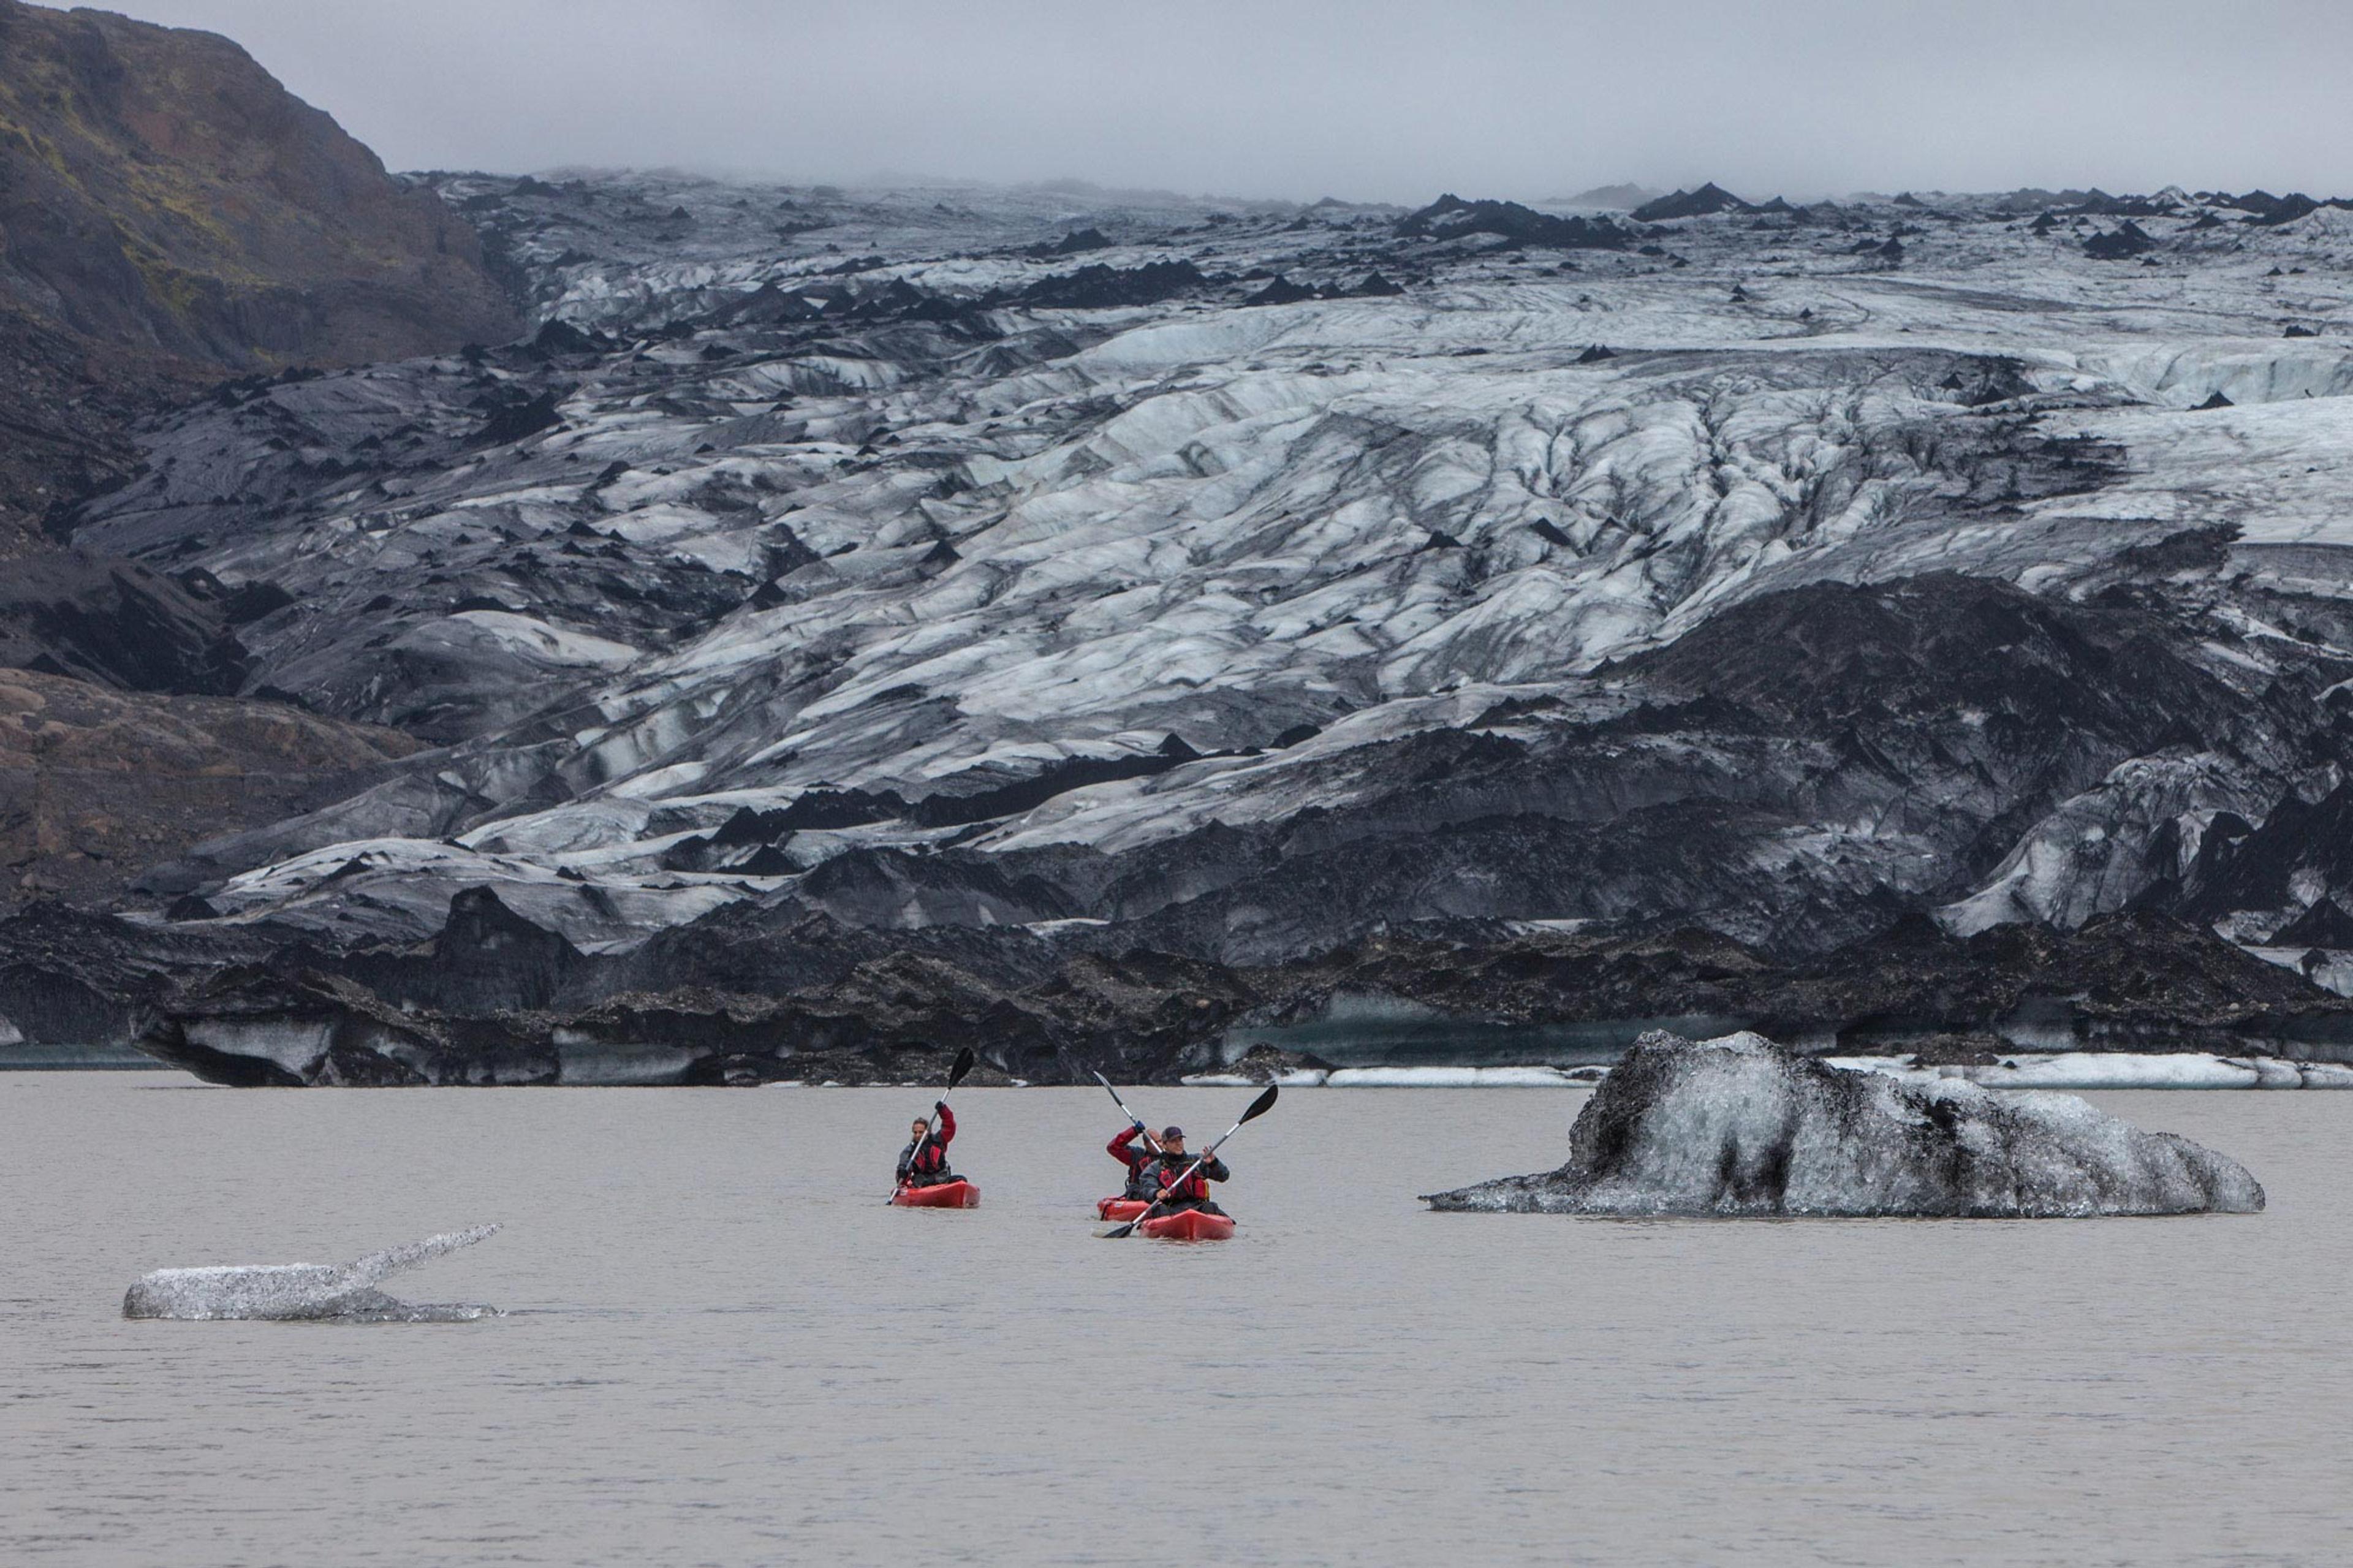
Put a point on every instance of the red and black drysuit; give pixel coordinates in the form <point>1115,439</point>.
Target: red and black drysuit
<point>1142,1164</point>
<point>1148,1170</point>
<point>924,1163</point>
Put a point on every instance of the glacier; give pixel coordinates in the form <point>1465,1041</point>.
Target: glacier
<point>871,561</point>
<point>1742,1128</point>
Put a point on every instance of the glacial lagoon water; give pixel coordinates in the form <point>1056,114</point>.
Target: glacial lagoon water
<point>722,1348</point>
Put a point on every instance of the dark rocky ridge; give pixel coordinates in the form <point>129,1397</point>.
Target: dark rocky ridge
<point>1099,287</point>
<point>1708,199</point>
<point>747,996</point>
<point>1452,217</point>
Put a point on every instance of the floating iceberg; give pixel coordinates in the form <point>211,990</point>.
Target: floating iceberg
<point>295,1291</point>
<point>1741,1126</point>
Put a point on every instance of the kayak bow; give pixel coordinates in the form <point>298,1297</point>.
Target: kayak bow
<point>956,1195</point>
<point>1189,1224</point>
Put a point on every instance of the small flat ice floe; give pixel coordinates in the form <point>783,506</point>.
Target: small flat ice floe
<point>1741,1127</point>
<point>2116,1070</point>
<point>291,1292</point>
<point>2024,1069</point>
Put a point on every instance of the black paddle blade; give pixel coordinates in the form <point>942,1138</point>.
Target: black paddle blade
<point>1115,1100</point>
<point>1261,1105</point>
<point>964,1061</point>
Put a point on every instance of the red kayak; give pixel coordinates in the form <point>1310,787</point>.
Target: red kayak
<point>1119,1208</point>
<point>1189,1224</point>
<point>957,1195</point>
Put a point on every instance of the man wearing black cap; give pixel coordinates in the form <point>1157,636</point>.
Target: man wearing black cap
<point>1156,1173</point>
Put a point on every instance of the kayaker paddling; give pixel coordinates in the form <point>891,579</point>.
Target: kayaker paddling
<point>924,1163</point>
<point>1185,1181</point>
<point>1142,1164</point>
<point>1168,1176</point>
<point>1183,1211</point>
<point>924,1180</point>
<point>1142,1179</point>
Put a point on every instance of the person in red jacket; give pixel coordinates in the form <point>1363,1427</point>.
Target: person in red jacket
<point>1142,1164</point>
<point>1168,1177</point>
<point>924,1163</point>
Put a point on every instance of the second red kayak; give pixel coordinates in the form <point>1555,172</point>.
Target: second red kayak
<point>946,1196</point>
<point>1119,1208</point>
<point>1189,1224</point>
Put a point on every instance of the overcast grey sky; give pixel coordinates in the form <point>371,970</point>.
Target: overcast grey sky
<point>1371,99</point>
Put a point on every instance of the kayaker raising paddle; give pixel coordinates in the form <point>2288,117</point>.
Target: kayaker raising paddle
<point>1167,1174</point>
<point>924,1163</point>
<point>1142,1164</point>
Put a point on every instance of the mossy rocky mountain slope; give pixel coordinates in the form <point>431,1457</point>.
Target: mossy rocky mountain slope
<point>170,216</point>
<point>159,188</point>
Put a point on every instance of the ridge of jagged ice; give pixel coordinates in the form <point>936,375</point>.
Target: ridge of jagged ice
<point>1740,1127</point>
<point>285,1292</point>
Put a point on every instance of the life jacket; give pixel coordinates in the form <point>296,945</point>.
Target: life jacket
<point>1182,1188</point>
<point>921,1159</point>
<point>924,1161</point>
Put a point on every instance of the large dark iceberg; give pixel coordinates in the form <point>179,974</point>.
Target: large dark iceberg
<point>1742,1128</point>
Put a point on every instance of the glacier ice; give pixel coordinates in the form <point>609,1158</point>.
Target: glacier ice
<point>1242,629</point>
<point>1740,1127</point>
<point>283,1292</point>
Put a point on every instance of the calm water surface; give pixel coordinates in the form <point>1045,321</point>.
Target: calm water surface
<point>722,1348</point>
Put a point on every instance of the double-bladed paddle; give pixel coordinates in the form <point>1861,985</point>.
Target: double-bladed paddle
<point>1132,1118</point>
<point>1258,1108</point>
<point>964,1061</point>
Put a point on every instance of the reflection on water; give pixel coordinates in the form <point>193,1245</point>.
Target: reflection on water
<point>725,1347</point>
<point>30,1056</point>
<point>1383,1031</point>
<point>1355,1030</point>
